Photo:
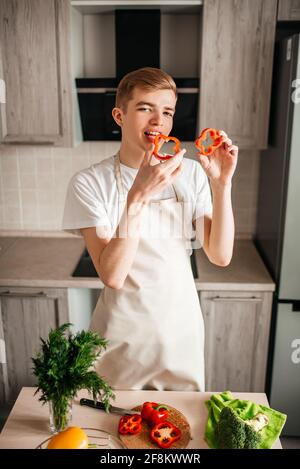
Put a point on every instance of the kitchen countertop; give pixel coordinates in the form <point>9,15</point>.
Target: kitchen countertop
<point>27,424</point>
<point>49,262</point>
<point>245,271</point>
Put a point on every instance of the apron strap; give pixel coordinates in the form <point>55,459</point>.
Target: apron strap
<point>178,193</point>
<point>118,176</point>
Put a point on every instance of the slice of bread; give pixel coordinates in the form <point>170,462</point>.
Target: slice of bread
<point>143,440</point>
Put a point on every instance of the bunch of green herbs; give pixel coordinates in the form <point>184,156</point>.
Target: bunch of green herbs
<point>63,367</point>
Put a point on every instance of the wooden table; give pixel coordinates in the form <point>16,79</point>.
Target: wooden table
<point>28,423</point>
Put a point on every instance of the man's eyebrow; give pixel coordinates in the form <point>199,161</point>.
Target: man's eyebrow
<point>143,103</point>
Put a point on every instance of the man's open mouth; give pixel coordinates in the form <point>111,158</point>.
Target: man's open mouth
<point>151,133</point>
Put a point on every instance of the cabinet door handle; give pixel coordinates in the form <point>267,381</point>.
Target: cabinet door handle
<point>219,299</point>
<point>2,352</point>
<point>12,294</point>
<point>2,91</point>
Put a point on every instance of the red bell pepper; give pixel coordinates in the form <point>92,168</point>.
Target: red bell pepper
<point>154,413</point>
<point>147,409</point>
<point>167,138</point>
<point>216,137</point>
<point>165,434</point>
<point>130,424</point>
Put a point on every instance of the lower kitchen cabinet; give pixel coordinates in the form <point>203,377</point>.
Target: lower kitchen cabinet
<point>237,327</point>
<point>26,314</point>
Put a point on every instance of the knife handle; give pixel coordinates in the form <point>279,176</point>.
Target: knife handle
<point>91,403</point>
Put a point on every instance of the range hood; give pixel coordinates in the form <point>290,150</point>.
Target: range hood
<point>137,40</point>
<point>137,34</point>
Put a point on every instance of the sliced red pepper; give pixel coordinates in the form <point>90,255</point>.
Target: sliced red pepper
<point>165,434</point>
<point>154,413</point>
<point>215,136</point>
<point>167,138</point>
<point>130,424</point>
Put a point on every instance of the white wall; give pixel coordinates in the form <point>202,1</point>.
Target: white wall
<point>34,180</point>
<point>99,46</point>
<point>179,55</point>
<point>82,302</point>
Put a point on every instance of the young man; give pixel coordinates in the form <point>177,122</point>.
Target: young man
<point>129,209</point>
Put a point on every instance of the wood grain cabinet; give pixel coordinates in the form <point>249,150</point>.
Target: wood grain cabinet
<point>288,10</point>
<point>35,48</point>
<point>236,68</point>
<point>26,314</point>
<point>236,339</point>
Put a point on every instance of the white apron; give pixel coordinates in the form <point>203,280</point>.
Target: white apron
<point>154,324</point>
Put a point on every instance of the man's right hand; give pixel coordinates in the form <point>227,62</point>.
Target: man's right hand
<point>151,179</point>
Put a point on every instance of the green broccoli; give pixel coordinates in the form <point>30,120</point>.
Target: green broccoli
<point>252,438</point>
<point>236,433</point>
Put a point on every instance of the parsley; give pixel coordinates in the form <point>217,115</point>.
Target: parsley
<point>63,367</point>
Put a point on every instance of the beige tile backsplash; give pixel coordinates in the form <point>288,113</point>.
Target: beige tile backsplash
<point>34,179</point>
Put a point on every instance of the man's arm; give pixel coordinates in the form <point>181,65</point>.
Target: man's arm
<point>218,230</point>
<point>113,256</point>
<point>216,233</point>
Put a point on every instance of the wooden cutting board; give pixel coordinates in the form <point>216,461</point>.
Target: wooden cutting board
<point>143,440</point>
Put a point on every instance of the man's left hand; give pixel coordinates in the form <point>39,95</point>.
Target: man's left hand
<point>221,164</point>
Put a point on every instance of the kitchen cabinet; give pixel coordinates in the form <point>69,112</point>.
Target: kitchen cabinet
<point>2,99</point>
<point>236,339</point>
<point>236,68</point>
<point>57,42</point>
<point>26,314</point>
<point>35,56</point>
<point>288,10</point>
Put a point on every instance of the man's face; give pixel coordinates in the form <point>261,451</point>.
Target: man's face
<point>148,113</point>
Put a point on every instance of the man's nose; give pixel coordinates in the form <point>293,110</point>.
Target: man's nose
<point>157,118</point>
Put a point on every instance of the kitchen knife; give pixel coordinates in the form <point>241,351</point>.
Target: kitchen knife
<point>100,406</point>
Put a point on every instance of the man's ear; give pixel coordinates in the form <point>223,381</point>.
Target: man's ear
<point>117,114</point>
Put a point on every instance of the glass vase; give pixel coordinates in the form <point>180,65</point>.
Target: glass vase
<point>60,415</point>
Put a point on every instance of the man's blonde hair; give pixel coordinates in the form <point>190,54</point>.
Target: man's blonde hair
<point>147,78</point>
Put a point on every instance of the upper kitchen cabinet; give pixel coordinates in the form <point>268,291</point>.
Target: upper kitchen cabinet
<point>288,10</point>
<point>35,39</point>
<point>236,68</point>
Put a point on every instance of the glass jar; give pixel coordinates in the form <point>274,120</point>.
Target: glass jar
<point>60,415</point>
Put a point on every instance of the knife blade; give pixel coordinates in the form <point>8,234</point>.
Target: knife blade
<point>100,406</point>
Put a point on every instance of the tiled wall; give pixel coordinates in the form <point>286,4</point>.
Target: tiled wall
<point>33,182</point>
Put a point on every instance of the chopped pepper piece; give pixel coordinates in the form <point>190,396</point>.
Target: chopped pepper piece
<point>130,424</point>
<point>154,413</point>
<point>167,138</point>
<point>165,434</point>
<point>216,138</point>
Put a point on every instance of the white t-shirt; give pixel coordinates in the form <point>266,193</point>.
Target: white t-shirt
<point>92,195</point>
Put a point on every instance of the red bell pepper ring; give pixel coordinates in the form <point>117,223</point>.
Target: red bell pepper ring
<point>215,136</point>
<point>165,434</point>
<point>130,424</point>
<point>167,138</point>
<point>154,413</point>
